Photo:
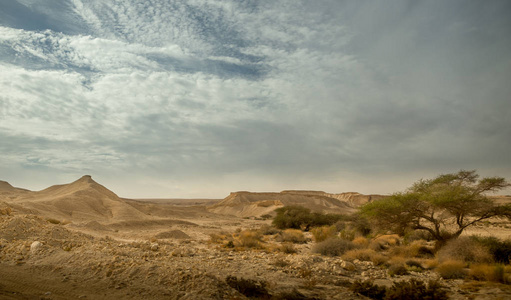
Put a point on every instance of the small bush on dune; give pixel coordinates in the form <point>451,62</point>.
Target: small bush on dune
<point>293,236</point>
<point>465,249</point>
<point>451,269</point>
<point>333,247</point>
<point>324,232</point>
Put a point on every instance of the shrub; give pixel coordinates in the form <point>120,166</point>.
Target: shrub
<point>268,230</point>
<point>369,289</point>
<point>452,269</point>
<point>249,287</point>
<point>249,239</point>
<point>465,249</point>
<point>415,249</point>
<point>333,247</point>
<point>361,242</point>
<point>287,248</point>
<point>360,254</point>
<point>487,272</point>
<point>293,236</point>
<point>500,250</point>
<point>416,290</point>
<point>324,232</point>
<point>299,217</point>
<point>397,269</point>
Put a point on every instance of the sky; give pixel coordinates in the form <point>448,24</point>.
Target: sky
<point>197,99</point>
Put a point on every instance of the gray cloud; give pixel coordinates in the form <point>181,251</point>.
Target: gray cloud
<point>199,98</point>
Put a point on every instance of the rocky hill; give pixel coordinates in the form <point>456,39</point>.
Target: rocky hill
<point>83,199</point>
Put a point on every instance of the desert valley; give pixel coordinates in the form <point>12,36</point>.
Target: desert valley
<point>81,241</point>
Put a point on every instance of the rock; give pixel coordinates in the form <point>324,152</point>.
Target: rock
<point>154,246</point>
<point>348,266</point>
<point>35,246</point>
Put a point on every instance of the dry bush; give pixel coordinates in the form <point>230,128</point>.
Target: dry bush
<point>360,254</point>
<point>293,236</point>
<point>287,248</point>
<point>397,269</point>
<point>324,232</point>
<point>268,230</point>
<point>417,248</point>
<point>220,238</point>
<point>384,242</point>
<point>465,249</point>
<point>333,247</point>
<point>452,269</point>
<point>249,239</point>
<point>361,242</point>
<point>487,272</point>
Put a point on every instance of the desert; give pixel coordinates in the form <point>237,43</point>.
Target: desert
<point>81,241</point>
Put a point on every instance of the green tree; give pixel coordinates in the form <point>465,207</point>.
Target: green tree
<point>443,206</point>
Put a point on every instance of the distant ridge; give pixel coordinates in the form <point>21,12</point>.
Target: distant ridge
<point>253,204</point>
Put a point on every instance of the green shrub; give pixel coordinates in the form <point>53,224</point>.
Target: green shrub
<point>299,217</point>
<point>249,287</point>
<point>333,247</point>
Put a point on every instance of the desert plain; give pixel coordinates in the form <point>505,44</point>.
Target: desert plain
<point>81,241</point>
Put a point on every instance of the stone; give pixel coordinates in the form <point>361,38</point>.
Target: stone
<point>348,266</point>
<point>35,246</point>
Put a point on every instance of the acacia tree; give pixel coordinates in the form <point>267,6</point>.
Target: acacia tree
<point>443,206</point>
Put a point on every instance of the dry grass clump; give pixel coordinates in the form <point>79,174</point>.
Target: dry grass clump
<point>465,249</point>
<point>360,254</point>
<point>293,236</point>
<point>487,272</point>
<point>397,269</point>
<point>452,269</point>
<point>417,248</point>
<point>324,232</point>
<point>220,238</point>
<point>333,247</point>
<point>384,242</point>
<point>361,242</point>
<point>249,239</point>
<point>268,230</point>
<point>287,248</point>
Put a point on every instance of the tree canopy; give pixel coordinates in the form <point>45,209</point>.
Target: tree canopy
<point>443,206</point>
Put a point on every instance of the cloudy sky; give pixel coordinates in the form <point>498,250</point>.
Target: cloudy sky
<point>198,98</point>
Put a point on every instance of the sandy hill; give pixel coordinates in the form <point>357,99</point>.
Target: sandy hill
<point>247,204</point>
<point>83,199</point>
